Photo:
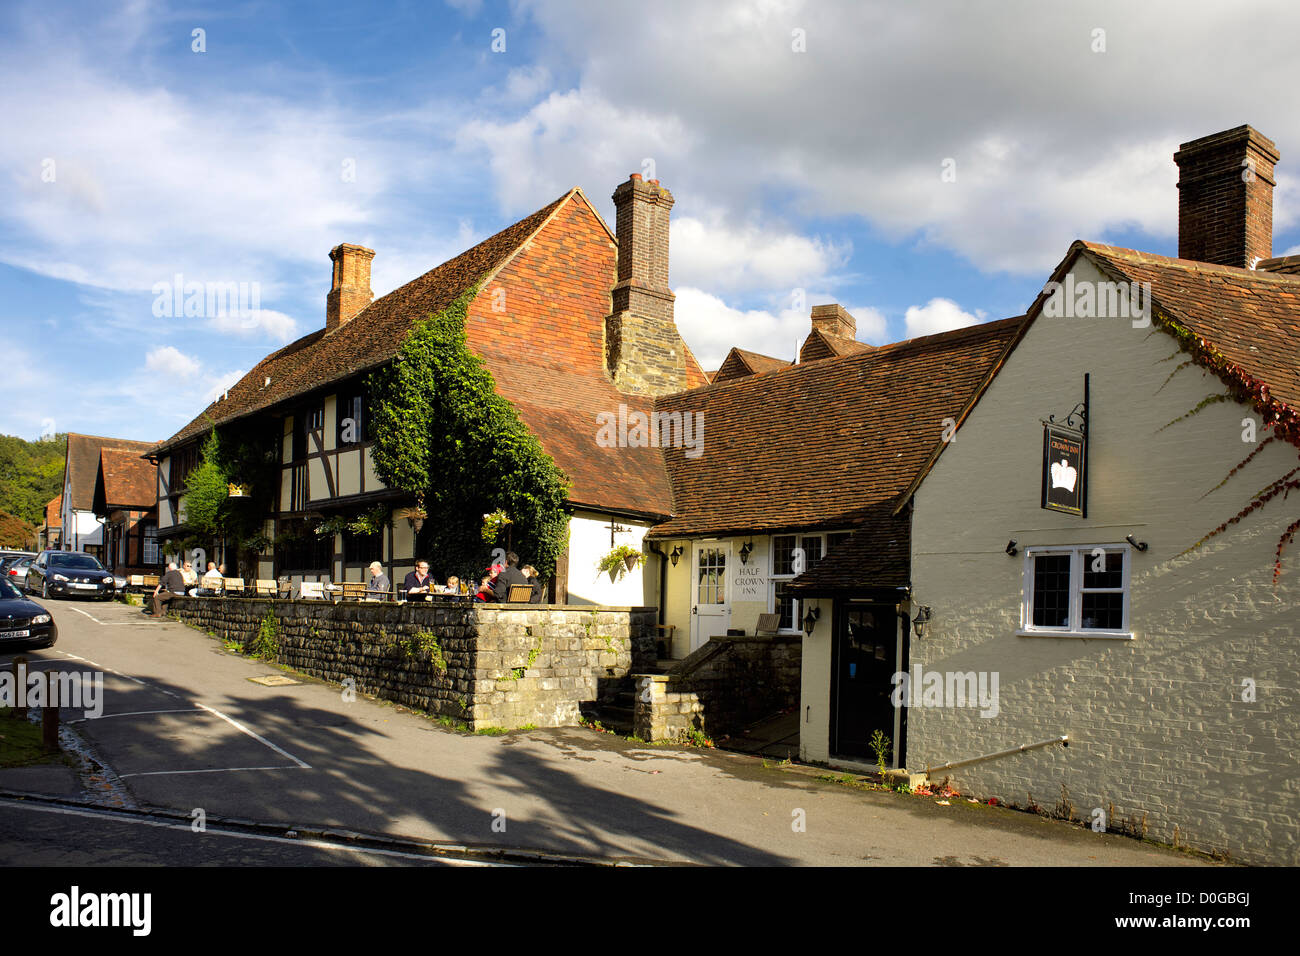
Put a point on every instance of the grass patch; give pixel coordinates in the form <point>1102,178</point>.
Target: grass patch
<point>490,732</point>
<point>20,742</point>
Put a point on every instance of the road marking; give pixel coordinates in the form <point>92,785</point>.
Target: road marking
<point>102,623</point>
<point>263,837</point>
<point>212,710</point>
<point>135,713</point>
<point>173,773</point>
<point>260,739</point>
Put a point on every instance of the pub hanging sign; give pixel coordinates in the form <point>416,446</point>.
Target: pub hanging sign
<point>1063,469</point>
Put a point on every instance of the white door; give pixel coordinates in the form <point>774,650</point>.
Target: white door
<point>710,613</point>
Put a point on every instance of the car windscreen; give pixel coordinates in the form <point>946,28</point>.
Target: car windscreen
<point>8,591</point>
<point>78,562</point>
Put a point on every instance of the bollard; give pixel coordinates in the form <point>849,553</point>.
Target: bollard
<point>20,696</point>
<point>50,729</point>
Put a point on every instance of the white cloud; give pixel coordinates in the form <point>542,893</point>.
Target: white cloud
<point>267,322</point>
<point>708,253</point>
<point>219,383</point>
<point>938,315</point>
<point>712,328</point>
<point>1013,93</point>
<point>169,361</point>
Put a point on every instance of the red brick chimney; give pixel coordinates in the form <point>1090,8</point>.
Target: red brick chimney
<point>350,286</point>
<point>1225,197</point>
<point>644,352</point>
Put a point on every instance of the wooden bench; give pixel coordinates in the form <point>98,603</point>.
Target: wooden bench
<point>312,591</point>
<point>353,591</point>
<point>233,585</point>
<point>150,581</point>
<point>520,594</point>
<point>266,587</point>
<point>768,625</point>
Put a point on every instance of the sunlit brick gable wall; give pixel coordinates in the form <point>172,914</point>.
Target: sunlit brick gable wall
<point>546,308</point>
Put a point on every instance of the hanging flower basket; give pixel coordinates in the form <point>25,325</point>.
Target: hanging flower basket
<point>619,561</point>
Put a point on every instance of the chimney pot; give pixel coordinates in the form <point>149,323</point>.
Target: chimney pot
<point>1225,197</point>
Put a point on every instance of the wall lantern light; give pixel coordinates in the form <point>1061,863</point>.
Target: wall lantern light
<point>1011,547</point>
<point>675,553</point>
<point>746,550</point>
<point>921,620</point>
<point>810,620</point>
<point>1140,545</point>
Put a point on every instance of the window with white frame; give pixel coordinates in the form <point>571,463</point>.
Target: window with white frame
<point>792,554</point>
<point>1076,590</point>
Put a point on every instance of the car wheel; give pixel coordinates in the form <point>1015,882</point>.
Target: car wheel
<point>45,590</point>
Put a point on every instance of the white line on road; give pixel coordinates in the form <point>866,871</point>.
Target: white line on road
<point>236,724</point>
<point>173,773</point>
<point>265,838</point>
<point>135,713</point>
<point>103,623</point>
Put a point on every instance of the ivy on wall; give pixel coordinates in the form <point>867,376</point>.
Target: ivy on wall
<point>1280,418</point>
<point>443,434</point>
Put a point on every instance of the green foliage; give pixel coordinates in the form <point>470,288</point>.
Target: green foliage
<point>266,646</point>
<point>426,642</point>
<point>31,474</point>
<point>880,745</point>
<point>443,434</point>
<point>493,524</point>
<point>616,561</point>
<point>206,489</point>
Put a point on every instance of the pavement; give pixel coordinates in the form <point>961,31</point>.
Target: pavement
<point>186,727</point>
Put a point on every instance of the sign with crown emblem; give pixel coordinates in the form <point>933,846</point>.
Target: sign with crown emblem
<point>1063,477</point>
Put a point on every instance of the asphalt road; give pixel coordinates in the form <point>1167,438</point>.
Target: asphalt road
<point>185,727</point>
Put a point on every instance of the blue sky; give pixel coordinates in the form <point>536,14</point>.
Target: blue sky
<point>130,157</point>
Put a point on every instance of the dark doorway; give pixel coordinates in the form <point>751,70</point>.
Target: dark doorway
<point>864,660</point>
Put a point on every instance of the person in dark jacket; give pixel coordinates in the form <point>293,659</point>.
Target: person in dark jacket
<point>509,576</point>
<point>539,586</point>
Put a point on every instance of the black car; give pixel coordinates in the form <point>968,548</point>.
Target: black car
<point>23,622</point>
<point>69,574</point>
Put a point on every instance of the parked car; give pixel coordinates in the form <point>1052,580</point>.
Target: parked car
<point>7,555</point>
<point>14,570</point>
<point>69,574</point>
<point>23,622</point>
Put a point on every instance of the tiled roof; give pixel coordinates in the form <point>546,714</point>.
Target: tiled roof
<point>1251,316</point>
<point>741,362</point>
<point>823,444</point>
<point>820,345</point>
<point>125,481</point>
<point>82,464</point>
<point>370,339</point>
<point>545,350</point>
<point>877,555</point>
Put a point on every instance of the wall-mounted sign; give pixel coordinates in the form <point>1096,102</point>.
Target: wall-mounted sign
<point>237,491</point>
<point>1063,477</point>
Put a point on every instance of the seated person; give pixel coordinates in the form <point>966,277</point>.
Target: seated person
<point>191,578</point>
<point>171,586</point>
<point>507,578</point>
<point>539,586</point>
<point>212,581</point>
<point>484,592</point>
<point>378,583</point>
<point>418,582</point>
<point>452,586</point>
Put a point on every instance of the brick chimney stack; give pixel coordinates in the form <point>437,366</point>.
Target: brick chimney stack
<point>350,286</point>
<point>1225,197</point>
<point>834,319</point>
<point>643,349</point>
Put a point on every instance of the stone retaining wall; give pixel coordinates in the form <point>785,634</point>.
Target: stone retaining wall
<point>488,665</point>
<point>726,685</point>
